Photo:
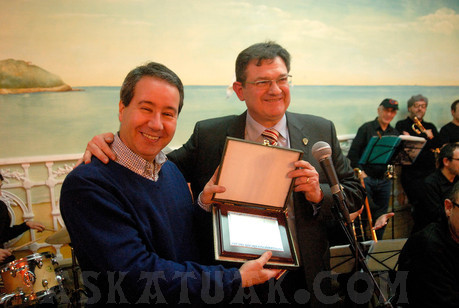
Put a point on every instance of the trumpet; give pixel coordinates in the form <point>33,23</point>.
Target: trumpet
<point>419,125</point>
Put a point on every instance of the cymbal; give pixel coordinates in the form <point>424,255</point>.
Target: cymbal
<point>60,237</point>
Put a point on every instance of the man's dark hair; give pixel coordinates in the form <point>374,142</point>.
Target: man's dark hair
<point>260,51</point>
<point>151,69</point>
<point>454,194</point>
<point>454,105</point>
<point>447,151</point>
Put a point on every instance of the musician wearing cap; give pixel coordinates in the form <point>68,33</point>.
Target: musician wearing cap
<point>8,232</point>
<point>377,185</point>
<point>413,175</point>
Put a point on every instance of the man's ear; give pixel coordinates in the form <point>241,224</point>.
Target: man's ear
<point>446,161</point>
<point>238,89</point>
<point>448,207</point>
<point>120,108</point>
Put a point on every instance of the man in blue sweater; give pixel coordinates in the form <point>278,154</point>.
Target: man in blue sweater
<point>131,221</point>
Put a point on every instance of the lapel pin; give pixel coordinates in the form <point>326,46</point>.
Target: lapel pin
<point>305,141</point>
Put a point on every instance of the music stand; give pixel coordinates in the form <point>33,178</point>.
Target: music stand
<point>408,150</point>
<point>379,150</point>
<point>341,258</point>
<point>383,255</point>
<point>402,150</point>
<point>392,150</point>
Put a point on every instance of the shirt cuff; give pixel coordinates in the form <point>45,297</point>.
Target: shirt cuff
<point>205,207</point>
<point>316,206</point>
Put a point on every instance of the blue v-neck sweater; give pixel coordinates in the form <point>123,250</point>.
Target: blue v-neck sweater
<point>139,234</point>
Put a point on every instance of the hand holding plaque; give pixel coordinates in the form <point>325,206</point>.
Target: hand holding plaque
<point>210,189</point>
<point>249,217</point>
<point>252,272</point>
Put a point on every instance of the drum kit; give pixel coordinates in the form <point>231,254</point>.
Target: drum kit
<point>39,279</point>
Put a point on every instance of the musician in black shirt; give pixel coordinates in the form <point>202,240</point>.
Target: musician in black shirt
<point>450,131</point>
<point>412,176</point>
<point>376,183</point>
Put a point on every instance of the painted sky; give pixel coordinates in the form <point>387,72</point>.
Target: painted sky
<point>353,42</point>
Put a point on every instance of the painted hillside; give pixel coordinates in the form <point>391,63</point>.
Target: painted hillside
<point>18,76</point>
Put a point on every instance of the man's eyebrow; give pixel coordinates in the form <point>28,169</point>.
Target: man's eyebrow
<point>266,78</point>
<point>172,108</point>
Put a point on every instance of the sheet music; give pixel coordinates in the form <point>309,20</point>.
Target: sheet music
<point>254,231</point>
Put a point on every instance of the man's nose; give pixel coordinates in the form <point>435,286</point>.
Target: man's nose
<point>155,122</point>
<point>274,87</point>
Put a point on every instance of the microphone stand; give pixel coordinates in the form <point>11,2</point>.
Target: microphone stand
<point>341,213</point>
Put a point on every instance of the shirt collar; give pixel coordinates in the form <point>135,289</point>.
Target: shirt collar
<point>377,126</point>
<point>134,162</point>
<point>253,130</point>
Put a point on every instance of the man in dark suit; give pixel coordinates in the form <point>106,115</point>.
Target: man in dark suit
<point>262,81</point>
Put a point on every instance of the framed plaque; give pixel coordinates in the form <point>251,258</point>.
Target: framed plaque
<point>250,217</point>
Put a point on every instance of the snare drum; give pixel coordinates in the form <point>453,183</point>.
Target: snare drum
<point>32,276</point>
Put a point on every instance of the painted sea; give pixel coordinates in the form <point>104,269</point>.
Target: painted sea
<point>62,123</point>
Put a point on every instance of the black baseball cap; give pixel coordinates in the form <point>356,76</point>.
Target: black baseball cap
<point>389,103</point>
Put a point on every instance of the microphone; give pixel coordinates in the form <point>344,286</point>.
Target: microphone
<point>322,153</point>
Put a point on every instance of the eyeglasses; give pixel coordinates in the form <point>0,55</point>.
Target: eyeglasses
<point>266,84</point>
<point>452,158</point>
<point>454,203</point>
<point>423,106</point>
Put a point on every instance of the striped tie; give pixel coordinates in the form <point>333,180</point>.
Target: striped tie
<point>270,135</point>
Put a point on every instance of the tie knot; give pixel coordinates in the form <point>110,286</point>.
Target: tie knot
<point>271,135</point>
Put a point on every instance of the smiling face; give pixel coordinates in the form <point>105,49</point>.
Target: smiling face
<point>385,115</point>
<point>148,123</point>
<point>265,105</point>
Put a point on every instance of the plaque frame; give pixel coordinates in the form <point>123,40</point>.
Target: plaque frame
<point>252,157</point>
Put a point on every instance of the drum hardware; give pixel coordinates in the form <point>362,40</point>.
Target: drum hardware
<point>75,298</point>
<point>29,279</point>
<point>62,237</point>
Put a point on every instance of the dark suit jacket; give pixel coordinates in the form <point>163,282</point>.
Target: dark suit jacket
<point>201,155</point>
